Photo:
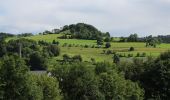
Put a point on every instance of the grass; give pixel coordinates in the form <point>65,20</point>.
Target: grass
<point>97,53</point>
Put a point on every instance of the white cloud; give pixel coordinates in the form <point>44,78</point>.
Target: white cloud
<point>119,17</point>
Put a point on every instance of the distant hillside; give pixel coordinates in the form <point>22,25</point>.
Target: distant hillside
<point>82,31</point>
<point>165,39</point>
<point>5,35</point>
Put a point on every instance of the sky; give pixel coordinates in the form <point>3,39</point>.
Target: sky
<point>119,17</point>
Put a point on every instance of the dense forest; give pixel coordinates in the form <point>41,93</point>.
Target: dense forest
<point>73,78</point>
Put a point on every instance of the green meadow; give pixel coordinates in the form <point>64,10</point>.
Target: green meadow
<point>76,47</point>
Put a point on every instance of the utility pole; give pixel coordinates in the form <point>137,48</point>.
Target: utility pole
<point>19,47</point>
<point>20,50</point>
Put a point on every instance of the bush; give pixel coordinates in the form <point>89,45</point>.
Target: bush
<point>143,54</point>
<point>55,42</point>
<point>131,49</point>
<point>138,54</point>
<point>86,46</point>
<point>37,61</point>
<point>65,44</point>
<point>92,46</point>
<point>109,52</point>
<point>122,55</point>
<point>77,45</point>
<point>108,45</point>
<point>130,55</point>
<point>53,50</point>
<point>70,45</point>
<point>77,58</point>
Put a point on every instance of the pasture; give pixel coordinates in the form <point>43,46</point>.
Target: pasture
<point>77,47</point>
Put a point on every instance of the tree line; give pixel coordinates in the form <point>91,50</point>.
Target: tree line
<point>80,80</point>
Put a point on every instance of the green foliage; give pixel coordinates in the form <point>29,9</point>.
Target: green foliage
<point>103,67</point>
<point>3,49</point>
<point>130,55</point>
<point>108,45</point>
<point>107,39</point>
<point>132,38</point>
<point>116,58</point>
<point>53,50</point>
<point>108,52</point>
<point>99,41</point>
<point>132,70</point>
<point>115,87</point>
<point>13,73</point>
<point>78,82</point>
<point>13,45</point>
<point>5,35</point>
<point>151,41</point>
<point>37,61</point>
<point>49,87</point>
<point>68,59</point>
<point>131,49</point>
<point>156,78</point>
<point>55,42</point>
<point>42,42</point>
<point>82,31</point>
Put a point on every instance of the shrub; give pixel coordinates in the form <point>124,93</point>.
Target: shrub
<point>55,42</point>
<point>104,51</point>
<point>70,45</point>
<point>108,45</point>
<point>92,46</point>
<point>53,50</point>
<point>77,58</point>
<point>131,49</point>
<point>130,55</point>
<point>138,54</point>
<point>143,54</point>
<point>86,46</point>
<point>109,52</point>
<point>65,44</point>
<point>77,45</point>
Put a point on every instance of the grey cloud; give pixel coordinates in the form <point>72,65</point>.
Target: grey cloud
<point>119,17</point>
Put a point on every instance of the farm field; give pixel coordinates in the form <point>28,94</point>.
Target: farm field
<point>76,47</point>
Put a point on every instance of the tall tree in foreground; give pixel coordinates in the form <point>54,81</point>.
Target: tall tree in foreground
<point>156,78</point>
<point>13,74</point>
<point>77,82</point>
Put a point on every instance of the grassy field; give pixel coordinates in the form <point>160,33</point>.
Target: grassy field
<point>97,53</point>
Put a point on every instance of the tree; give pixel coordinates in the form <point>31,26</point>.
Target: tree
<point>107,39</point>
<point>37,61</point>
<point>103,67</point>
<point>49,87</point>
<point>82,31</point>
<point>151,41</point>
<point>116,58</point>
<point>66,58</point>
<point>53,50</point>
<point>100,41</point>
<point>55,42</point>
<point>107,34</point>
<point>13,76</point>
<point>115,87</point>
<point>132,38</point>
<point>77,82</point>
<point>77,58</point>
<point>156,78</point>
<point>108,45</point>
<point>131,49</point>
<point>3,49</point>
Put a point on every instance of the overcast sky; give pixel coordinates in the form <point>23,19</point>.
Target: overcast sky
<point>119,17</point>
